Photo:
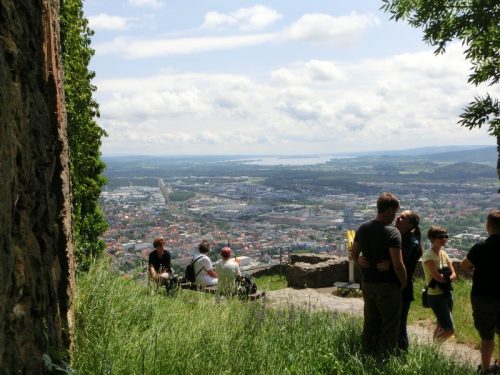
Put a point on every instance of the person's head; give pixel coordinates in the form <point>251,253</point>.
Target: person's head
<point>493,222</point>
<point>407,221</point>
<point>204,247</point>
<point>225,252</point>
<point>158,242</point>
<point>387,206</point>
<point>437,233</point>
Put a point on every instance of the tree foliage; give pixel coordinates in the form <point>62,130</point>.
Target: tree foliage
<point>84,134</point>
<point>476,24</point>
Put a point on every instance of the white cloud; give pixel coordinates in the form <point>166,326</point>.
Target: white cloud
<point>312,71</point>
<point>104,21</point>
<point>152,3</point>
<point>329,29</point>
<point>312,28</point>
<point>139,49</point>
<point>403,101</point>
<point>248,19</point>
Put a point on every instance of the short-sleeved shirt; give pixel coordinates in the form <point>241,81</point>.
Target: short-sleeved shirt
<point>485,256</point>
<point>163,264</point>
<point>375,238</point>
<point>227,270</point>
<point>440,260</point>
<point>201,266</point>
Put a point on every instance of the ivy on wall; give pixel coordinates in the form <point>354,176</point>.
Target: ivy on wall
<point>84,133</point>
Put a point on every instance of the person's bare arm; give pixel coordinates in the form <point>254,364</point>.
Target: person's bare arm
<point>384,265</point>
<point>212,273</point>
<point>453,276</point>
<point>363,262</point>
<point>152,273</point>
<point>466,265</point>
<point>434,271</point>
<point>398,265</point>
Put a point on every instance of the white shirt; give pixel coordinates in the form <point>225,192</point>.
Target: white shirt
<point>201,266</point>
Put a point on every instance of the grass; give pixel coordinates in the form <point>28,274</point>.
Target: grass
<point>462,311</point>
<point>122,328</point>
<point>272,282</point>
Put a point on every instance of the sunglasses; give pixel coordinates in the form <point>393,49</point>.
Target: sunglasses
<point>442,236</point>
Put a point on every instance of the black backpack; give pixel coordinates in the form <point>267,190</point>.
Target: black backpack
<point>248,286</point>
<point>189,273</point>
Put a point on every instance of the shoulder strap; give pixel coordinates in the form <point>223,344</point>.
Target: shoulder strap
<point>194,261</point>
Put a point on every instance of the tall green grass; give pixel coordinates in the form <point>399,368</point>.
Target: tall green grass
<point>271,282</point>
<point>122,328</point>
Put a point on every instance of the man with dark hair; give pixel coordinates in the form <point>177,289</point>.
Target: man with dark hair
<point>160,269</point>
<point>379,241</point>
<point>205,274</point>
<point>483,259</point>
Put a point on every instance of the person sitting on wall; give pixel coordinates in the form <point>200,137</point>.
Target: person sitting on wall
<point>205,274</point>
<point>160,269</point>
<point>228,271</point>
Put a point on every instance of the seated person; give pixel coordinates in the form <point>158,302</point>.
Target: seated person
<point>228,270</point>
<point>159,267</point>
<point>205,274</point>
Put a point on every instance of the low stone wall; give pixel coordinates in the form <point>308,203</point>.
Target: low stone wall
<point>311,258</point>
<point>320,270</point>
<point>275,269</point>
<point>317,270</point>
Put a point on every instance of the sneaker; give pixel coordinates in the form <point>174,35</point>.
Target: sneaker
<point>480,370</point>
<point>494,369</point>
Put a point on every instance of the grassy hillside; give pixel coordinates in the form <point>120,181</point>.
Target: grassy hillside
<point>122,328</point>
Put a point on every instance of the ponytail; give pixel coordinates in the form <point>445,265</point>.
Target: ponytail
<point>415,221</point>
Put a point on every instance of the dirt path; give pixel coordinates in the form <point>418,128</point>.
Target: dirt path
<point>324,299</point>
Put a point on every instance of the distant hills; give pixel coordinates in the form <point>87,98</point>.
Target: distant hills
<point>464,170</point>
<point>452,154</point>
<point>465,153</point>
<point>479,155</point>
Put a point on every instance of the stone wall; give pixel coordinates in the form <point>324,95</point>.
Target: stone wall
<point>318,270</point>
<point>275,269</point>
<point>37,264</point>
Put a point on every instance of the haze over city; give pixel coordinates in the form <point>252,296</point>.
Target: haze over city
<point>272,77</point>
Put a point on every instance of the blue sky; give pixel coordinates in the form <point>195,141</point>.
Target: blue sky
<point>271,77</point>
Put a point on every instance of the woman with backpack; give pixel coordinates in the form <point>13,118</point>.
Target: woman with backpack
<point>203,270</point>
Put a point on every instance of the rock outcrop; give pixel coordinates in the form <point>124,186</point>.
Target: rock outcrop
<point>37,264</point>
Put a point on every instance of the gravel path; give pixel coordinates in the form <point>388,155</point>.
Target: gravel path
<point>324,299</point>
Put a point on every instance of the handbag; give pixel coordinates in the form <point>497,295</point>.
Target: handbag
<point>425,297</point>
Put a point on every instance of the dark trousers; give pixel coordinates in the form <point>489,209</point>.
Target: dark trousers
<point>403,333</point>
<point>382,314</point>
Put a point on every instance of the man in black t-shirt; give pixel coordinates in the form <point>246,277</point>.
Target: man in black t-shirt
<point>378,241</point>
<point>484,260</point>
<point>159,267</point>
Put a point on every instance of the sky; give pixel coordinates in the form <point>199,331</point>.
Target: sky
<point>284,77</point>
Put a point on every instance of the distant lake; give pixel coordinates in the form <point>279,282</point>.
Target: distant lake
<point>288,160</point>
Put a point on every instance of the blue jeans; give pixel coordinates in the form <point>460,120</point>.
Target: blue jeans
<point>442,306</point>
<point>403,333</point>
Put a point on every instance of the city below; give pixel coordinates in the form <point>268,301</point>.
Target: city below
<point>266,212</point>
